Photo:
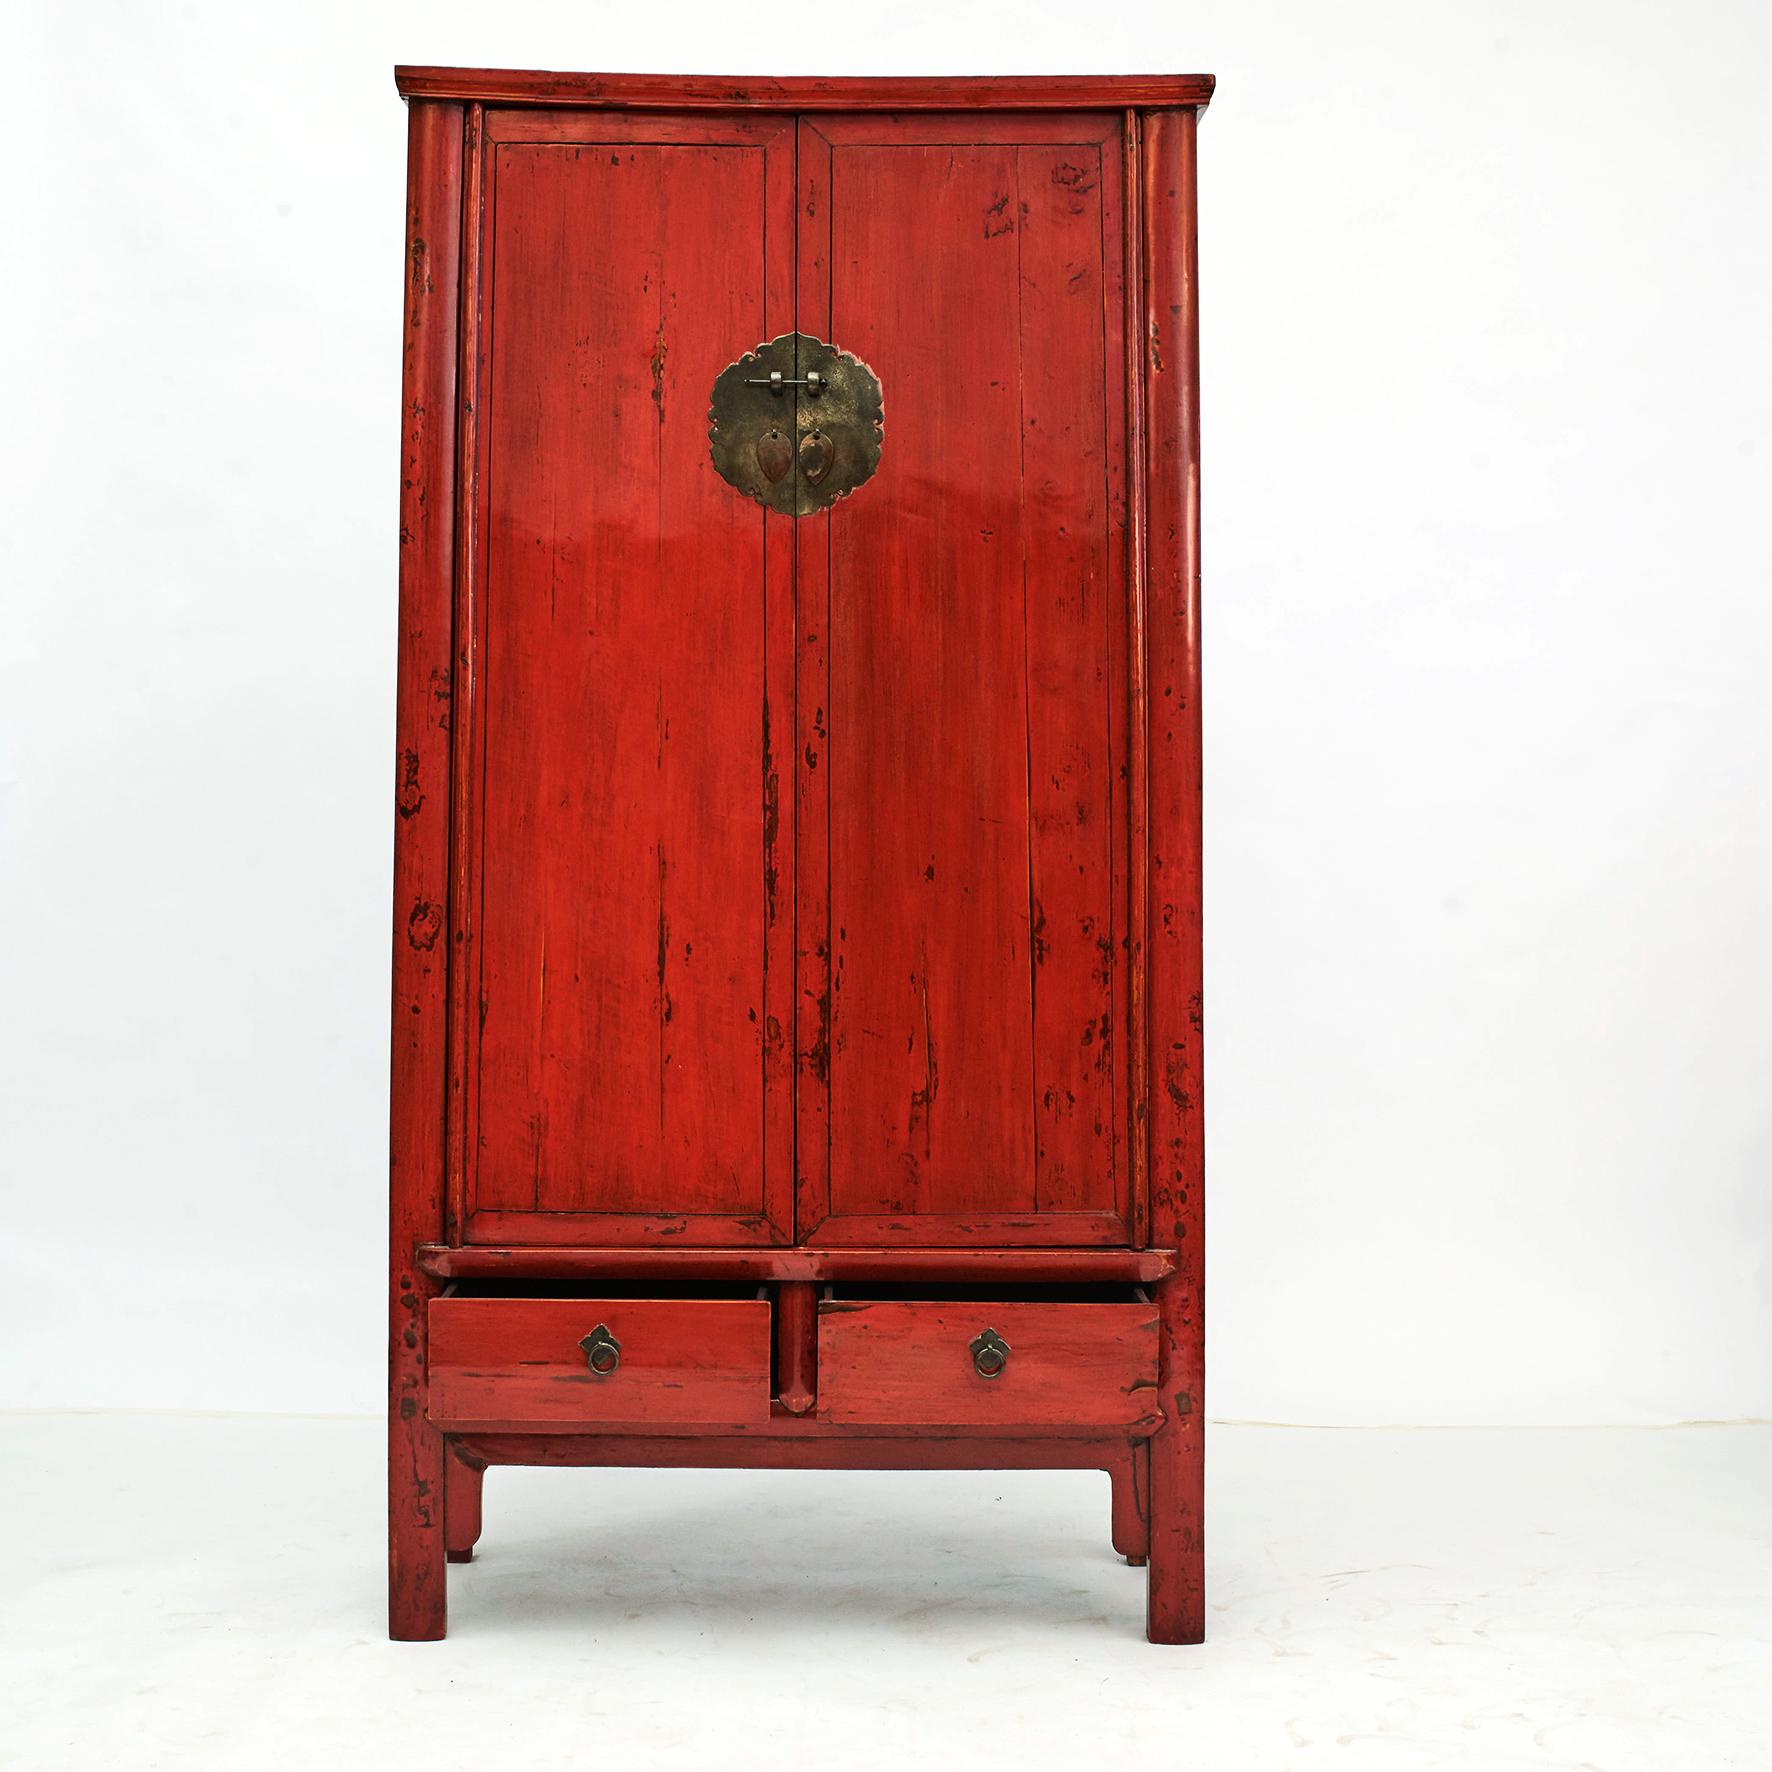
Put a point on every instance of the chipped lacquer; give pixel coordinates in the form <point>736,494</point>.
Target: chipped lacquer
<point>796,979</point>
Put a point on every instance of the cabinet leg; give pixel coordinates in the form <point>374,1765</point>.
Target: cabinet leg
<point>1176,1604</point>
<point>418,1600</point>
<point>1132,1504</point>
<point>418,1604</point>
<point>462,1478</point>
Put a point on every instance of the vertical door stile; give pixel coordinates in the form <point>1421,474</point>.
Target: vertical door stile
<point>1135,747</point>
<point>460,691</point>
<point>816,972</point>
<point>779,813</point>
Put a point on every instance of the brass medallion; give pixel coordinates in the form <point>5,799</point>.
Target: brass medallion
<point>796,424</point>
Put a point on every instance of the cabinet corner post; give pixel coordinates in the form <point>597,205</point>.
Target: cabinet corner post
<point>1176,1155</point>
<point>416,1597</point>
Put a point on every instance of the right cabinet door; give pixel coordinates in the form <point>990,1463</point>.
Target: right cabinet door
<point>963,690</point>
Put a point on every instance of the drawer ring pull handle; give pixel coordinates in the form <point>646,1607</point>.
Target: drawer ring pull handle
<point>602,1351</point>
<point>990,1354</point>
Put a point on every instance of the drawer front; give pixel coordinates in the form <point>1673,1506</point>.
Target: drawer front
<point>957,1365</point>
<point>662,1360</point>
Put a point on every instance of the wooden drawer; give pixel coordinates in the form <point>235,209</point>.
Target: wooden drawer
<point>525,1359</point>
<point>885,1361</point>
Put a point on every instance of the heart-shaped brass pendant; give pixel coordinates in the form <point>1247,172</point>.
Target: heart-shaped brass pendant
<point>775,455</point>
<point>817,452</point>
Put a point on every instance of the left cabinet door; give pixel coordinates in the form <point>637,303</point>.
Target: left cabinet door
<point>622,855</point>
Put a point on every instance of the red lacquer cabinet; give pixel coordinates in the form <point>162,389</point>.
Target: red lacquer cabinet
<point>797,931</point>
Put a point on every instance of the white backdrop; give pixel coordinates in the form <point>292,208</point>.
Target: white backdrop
<point>1489,622</point>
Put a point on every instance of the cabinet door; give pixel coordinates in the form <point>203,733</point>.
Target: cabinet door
<point>963,693</point>
<point>622,867</point>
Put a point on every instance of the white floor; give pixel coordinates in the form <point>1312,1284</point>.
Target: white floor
<point>191,1592</point>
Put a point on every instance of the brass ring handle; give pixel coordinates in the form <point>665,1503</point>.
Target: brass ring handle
<point>990,1354</point>
<point>602,1351</point>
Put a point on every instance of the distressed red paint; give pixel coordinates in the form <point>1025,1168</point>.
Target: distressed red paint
<point>786,908</point>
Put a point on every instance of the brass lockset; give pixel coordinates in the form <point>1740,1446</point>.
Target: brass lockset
<point>819,449</point>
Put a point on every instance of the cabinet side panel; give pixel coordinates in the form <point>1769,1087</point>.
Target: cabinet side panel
<point>421,850</point>
<point>1177,1128</point>
<point>628,792</point>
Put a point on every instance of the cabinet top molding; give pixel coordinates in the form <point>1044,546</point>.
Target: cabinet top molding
<point>714,92</point>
